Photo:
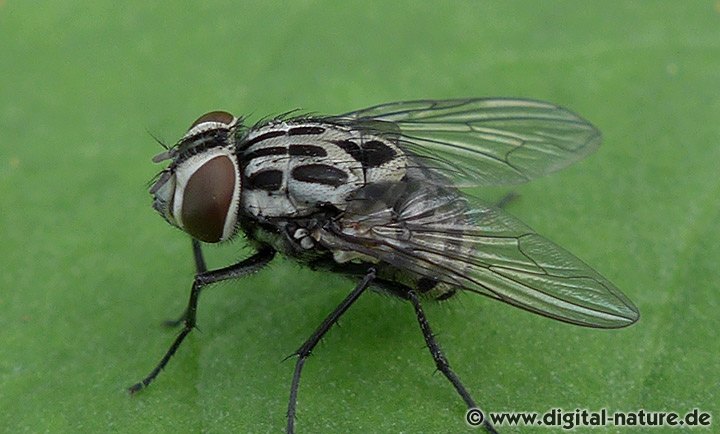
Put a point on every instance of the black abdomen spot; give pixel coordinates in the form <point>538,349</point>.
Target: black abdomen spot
<point>268,180</point>
<point>377,153</point>
<point>307,151</point>
<point>320,174</point>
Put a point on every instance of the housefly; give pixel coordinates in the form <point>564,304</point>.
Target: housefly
<point>376,195</point>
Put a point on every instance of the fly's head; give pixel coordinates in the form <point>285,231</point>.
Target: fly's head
<point>199,191</point>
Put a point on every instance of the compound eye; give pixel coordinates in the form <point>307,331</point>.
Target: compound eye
<point>207,212</point>
<point>218,117</point>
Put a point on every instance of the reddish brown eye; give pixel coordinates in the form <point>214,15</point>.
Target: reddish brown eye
<point>216,116</point>
<point>207,199</point>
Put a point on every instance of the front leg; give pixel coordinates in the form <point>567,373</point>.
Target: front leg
<point>242,268</point>
<point>200,267</point>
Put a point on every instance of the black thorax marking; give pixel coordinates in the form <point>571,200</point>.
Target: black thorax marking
<point>320,174</point>
<point>268,180</point>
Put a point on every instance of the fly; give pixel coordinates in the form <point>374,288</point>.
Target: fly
<point>375,195</point>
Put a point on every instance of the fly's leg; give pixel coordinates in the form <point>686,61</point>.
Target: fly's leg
<point>200,268</point>
<point>200,265</point>
<point>441,361</point>
<point>242,268</point>
<point>306,349</point>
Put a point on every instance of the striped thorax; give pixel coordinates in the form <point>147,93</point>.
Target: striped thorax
<point>291,168</point>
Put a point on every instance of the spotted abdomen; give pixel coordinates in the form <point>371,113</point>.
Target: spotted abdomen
<point>289,168</point>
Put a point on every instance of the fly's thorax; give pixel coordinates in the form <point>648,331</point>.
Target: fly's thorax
<point>200,191</point>
<point>289,168</point>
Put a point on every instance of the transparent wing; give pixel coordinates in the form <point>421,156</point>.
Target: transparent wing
<point>483,141</point>
<point>431,230</point>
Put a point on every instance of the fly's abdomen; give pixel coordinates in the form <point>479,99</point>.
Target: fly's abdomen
<point>290,168</point>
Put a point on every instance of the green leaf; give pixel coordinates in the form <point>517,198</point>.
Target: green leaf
<point>89,271</point>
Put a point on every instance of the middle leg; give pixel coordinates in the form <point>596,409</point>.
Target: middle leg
<point>306,349</point>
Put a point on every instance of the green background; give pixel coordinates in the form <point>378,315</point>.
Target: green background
<point>89,271</point>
